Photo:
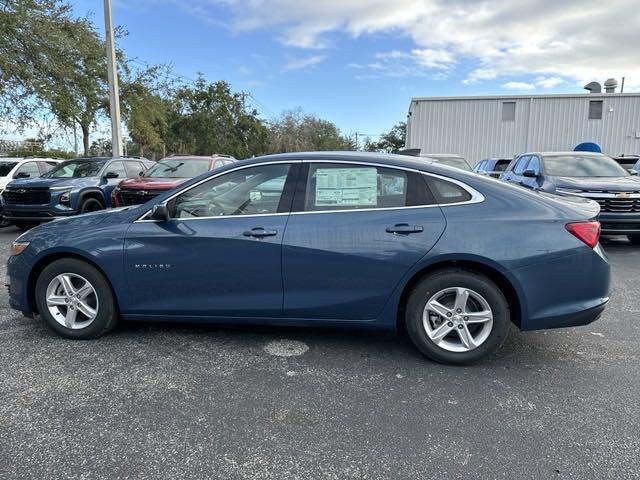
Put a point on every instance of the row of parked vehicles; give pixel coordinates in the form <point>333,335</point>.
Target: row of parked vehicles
<point>37,190</point>
<point>612,182</point>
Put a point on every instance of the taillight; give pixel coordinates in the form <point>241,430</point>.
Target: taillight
<point>587,232</point>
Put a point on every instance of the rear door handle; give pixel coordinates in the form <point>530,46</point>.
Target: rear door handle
<point>260,232</point>
<point>404,229</point>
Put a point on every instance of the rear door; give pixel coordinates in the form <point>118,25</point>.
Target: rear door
<point>354,231</point>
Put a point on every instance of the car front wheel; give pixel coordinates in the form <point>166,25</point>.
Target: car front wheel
<point>75,299</point>
<point>457,316</point>
<point>91,205</point>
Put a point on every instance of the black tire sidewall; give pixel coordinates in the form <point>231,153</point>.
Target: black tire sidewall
<point>107,311</point>
<point>432,284</point>
<point>88,201</point>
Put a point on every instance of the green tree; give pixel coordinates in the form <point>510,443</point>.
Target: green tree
<point>391,141</point>
<point>296,131</point>
<point>207,118</point>
<point>51,61</point>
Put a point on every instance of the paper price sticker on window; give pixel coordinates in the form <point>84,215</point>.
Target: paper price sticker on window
<point>351,187</point>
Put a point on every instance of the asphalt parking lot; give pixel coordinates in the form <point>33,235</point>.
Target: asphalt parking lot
<point>175,401</point>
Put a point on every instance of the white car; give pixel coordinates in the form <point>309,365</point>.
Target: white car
<point>12,168</point>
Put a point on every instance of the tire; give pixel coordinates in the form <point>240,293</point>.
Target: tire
<point>91,205</point>
<point>444,286</point>
<point>634,239</point>
<point>100,300</point>
<point>24,226</point>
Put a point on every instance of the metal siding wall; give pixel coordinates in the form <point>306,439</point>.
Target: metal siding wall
<point>474,127</point>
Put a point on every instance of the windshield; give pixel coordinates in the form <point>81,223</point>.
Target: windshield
<point>76,169</point>
<point>179,168</point>
<point>457,162</point>
<point>6,167</point>
<point>582,166</point>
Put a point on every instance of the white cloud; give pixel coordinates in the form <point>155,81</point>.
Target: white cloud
<point>303,63</point>
<point>518,86</point>
<point>550,82</point>
<point>574,40</point>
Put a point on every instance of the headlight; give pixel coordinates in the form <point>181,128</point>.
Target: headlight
<point>18,247</point>
<point>64,197</point>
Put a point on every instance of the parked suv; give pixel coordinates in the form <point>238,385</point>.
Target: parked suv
<point>584,174</point>
<point>168,173</point>
<point>75,186</point>
<point>492,167</point>
<point>16,167</point>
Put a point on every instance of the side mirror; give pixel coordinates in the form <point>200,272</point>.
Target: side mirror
<point>109,175</point>
<point>633,172</point>
<point>530,173</point>
<point>160,212</point>
<point>22,175</point>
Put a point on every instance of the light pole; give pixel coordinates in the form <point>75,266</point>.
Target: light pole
<point>112,75</point>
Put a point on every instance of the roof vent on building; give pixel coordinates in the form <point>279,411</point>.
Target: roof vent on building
<point>610,85</point>
<point>593,87</point>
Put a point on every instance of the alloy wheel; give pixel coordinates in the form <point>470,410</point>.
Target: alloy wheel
<point>72,301</point>
<point>457,319</point>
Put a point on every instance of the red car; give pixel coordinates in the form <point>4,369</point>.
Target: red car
<point>168,173</point>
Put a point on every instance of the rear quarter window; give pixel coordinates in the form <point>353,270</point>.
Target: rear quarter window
<point>447,192</point>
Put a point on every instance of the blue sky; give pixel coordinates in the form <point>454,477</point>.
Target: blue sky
<point>358,62</point>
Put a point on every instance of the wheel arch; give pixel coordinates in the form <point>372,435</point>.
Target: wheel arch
<point>475,265</point>
<point>91,193</point>
<point>48,259</point>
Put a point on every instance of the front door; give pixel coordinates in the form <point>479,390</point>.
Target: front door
<point>220,252</point>
<point>355,231</point>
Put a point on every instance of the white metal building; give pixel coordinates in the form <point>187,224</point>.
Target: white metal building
<point>503,126</point>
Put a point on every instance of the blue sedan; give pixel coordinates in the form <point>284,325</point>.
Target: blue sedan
<point>325,239</point>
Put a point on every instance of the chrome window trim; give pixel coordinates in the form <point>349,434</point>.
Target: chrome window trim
<point>476,196</point>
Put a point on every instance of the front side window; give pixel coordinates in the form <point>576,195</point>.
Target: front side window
<point>179,168</point>
<point>582,166</point>
<point>76,169</point>
<point>248,191</point>
<point>350,187</point>
<point>28,169</point>
<point>534,164</point>
<point>116,168</point>
<point>521,164</point>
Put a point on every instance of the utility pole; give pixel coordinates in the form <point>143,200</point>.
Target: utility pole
<point>112,74</point>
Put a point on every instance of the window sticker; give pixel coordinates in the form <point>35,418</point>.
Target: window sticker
<point>346,187</point>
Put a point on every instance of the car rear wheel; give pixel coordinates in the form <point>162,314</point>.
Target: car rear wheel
<point>75,299</point>
<point>457,316</point>
<point>91,205</point>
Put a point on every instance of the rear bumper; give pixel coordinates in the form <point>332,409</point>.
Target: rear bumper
<point>566,292</point>
<point>619,223</point>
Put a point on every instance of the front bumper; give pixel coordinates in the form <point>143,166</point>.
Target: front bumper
<point>36,213</point>
<point>620,223</point>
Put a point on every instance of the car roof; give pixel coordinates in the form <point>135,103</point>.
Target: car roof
<point>389,159</point>
<point>571,152</point>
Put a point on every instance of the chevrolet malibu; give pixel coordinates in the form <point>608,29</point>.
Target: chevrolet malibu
<point>325,239</point>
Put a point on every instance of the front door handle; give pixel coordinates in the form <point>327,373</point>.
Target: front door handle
<point>404,229</point>
<point>260,232</point>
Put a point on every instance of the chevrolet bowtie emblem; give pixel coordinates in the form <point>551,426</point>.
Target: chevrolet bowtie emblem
<point>142,192</point>
<point>623,194</point>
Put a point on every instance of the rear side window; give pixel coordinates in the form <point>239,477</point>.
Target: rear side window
<point>356,187</point>
<point>447,192</point>
<point>501,165</point>
<point>134,168</point>
<point>46,166</point>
